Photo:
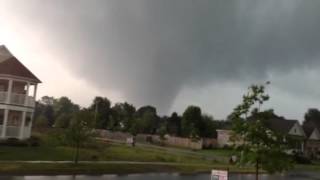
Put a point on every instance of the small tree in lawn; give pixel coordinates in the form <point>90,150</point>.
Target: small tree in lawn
<point>261,147</point>
<point>80,131</point>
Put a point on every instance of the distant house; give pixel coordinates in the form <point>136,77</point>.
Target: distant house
<point>18,89</point>
<point>286,127</point>
<point>312,142</point>
<point>290,128</point>
<point>226,138</point>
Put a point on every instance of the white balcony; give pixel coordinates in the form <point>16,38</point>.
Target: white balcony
<point>15,132</point>
<point>3,97</point>
<point>17,99</point>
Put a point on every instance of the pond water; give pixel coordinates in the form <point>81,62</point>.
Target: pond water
<point>165,176</point>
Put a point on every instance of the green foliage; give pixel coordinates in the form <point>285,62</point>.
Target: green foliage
<point>162,132</point>
<point>80,131</point>
<point>101,107</point>
<point>191,120</point>
<point>63,121</point>
<point>312,116</point>
<point>40,122</point>
<point>64,106</point>
<point>174,124</point>
<point>44,108</point>
<point>208,127</point>
<point>145,120</point>
<point>261,146</point>
<point>53,110</point>
<point>122,115</point>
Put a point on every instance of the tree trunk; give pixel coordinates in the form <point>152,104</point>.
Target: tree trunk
<point>76,157</point>
<point>257,170</point>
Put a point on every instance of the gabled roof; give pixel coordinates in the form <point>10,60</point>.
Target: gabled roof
<point>276,123</point>
<point>280,125</point>
<point>10,65</point>
<point>309,128</point>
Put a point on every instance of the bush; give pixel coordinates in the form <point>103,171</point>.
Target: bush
<point>33,141</point>
<point>300,159</point>
<point>14,142</point>
<point>94,157</point>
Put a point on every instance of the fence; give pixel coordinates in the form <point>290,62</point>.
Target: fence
<point>156,139</point>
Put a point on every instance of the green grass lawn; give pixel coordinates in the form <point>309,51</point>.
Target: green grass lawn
<point>112,152</point>
<point>53,169</point>
<point>49,150</point>
<point>219,152</point>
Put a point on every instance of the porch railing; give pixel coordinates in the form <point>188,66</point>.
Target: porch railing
<point>3,97</point>
<point>17,99</point>
<point>13,131</point>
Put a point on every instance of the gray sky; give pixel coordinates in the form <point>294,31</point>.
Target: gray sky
<point>170,53</point>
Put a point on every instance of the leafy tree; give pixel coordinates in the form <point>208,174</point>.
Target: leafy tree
<point>208,127</point>
<point>40,122</point>
<point>162,133</point>
<point>312,115</point>
<point>45,108</point>
<point>122,115</point>
<point>261,146</point>
<point>80,131</point>
<point>147,120</point>
<point>140,112</point>
<point>191,122</point>
<point>65,106</point>
<point>174,124</point>
<point>63,120</point>
<point>52,109</point>
<point>101,107</point>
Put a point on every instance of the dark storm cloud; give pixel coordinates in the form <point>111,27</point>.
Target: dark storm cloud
<point>149,49</point>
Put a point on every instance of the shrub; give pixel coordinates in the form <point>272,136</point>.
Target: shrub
<point>300,159</point>
<point>14,142</point>
<point>94,157</point>
<point>33,141</point>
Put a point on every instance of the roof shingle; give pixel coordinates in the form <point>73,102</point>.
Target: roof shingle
<point>9,65</point>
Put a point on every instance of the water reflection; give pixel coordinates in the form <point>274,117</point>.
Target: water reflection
<point>165,176</point>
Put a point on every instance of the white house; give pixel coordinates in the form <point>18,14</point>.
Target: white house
<point>18,89</point>
<point>227,138</point>
<point>312,143</point>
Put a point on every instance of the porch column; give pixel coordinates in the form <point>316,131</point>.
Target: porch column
<point>30,124</point>
<point>5,121</point>
<point>24,115</point>
<point>35,91</point>
<point>9,91</point>
<point>35,95</point>
<point>26,99</point>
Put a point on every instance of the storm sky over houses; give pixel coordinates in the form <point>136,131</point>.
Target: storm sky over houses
<point>170,54</point>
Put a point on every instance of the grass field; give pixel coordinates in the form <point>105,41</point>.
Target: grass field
<point>61,169</point>
<point>112,152</point>
<point>172,161</point>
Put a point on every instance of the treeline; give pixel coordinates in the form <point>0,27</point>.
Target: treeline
<point>58,112</point>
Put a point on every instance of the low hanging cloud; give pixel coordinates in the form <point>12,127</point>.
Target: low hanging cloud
<point>149,50</point>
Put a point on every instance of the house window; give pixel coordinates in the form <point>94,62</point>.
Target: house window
<point>28,119</point>
<point>14,118</point>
